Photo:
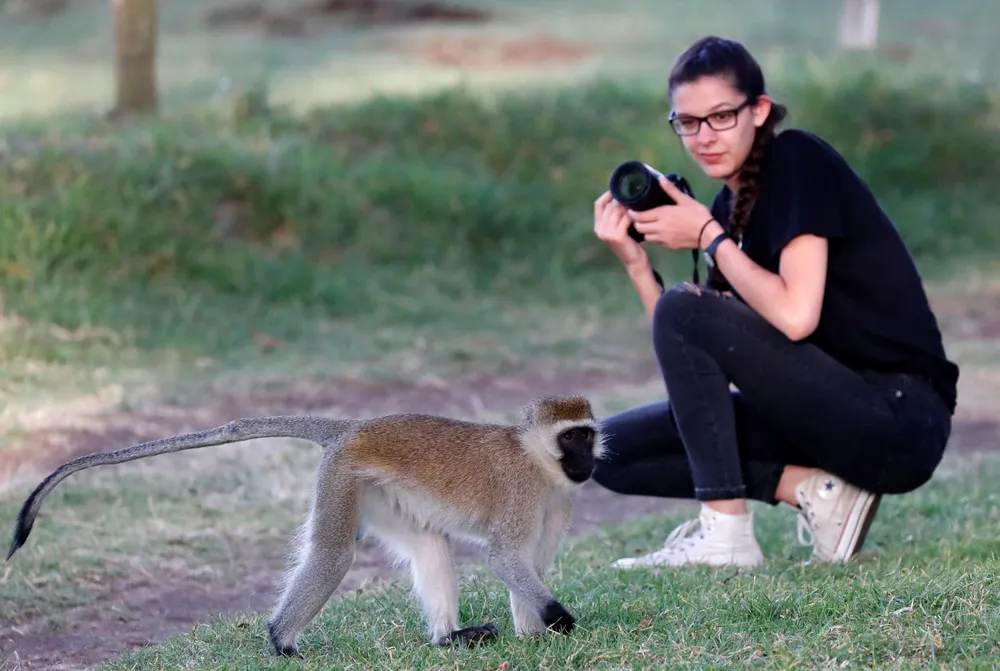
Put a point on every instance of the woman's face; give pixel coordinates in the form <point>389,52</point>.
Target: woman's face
<point>720,153</point>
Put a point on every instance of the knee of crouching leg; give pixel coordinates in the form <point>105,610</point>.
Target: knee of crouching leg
<point>608,475</point>
<point>677,303</point>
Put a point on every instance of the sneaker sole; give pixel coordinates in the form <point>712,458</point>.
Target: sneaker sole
<point>749,560</point>
<point>856,527</point>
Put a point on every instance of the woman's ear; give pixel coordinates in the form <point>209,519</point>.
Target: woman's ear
<point>761,109</point>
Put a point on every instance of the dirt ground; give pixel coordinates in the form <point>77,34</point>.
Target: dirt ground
<point>157,611</point>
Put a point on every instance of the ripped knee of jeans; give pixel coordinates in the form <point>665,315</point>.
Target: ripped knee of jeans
<point>698,290</point>
<point>690,287</point>
<point>681,299</point>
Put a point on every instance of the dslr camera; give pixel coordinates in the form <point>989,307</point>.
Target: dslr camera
<point>636,186</point>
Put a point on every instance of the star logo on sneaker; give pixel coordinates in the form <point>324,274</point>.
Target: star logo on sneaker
<point>828,489</point>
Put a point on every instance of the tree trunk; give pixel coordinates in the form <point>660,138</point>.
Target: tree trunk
<point>135,51</point>
<point>859,24</point>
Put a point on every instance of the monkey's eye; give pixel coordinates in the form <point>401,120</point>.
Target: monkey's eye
<point>577,433</point>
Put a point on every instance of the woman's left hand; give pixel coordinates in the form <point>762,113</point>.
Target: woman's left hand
<point>673,226</point>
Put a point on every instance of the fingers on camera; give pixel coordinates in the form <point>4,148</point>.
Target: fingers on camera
<point>602,202</point>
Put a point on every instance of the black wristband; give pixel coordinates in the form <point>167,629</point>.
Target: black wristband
<point>694,252</point>
<point>702,231</point>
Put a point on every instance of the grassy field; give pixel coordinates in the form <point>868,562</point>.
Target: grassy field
<point>124,248</point>
<point>208,259</point>
<point>925,592</point>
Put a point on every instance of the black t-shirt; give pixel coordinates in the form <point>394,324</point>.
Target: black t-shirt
<point>875,314</point>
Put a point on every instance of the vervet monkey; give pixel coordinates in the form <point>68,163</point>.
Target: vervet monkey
<point>414,481</point>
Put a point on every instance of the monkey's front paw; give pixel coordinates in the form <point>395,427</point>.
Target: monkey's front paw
<point>472,635</point>
<point>282,649</point>
<point>558,618</point>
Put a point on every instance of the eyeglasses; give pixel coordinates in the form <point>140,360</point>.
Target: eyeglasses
<point>721,120</point>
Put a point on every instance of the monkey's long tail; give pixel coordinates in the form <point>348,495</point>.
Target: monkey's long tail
<point>317,429</point>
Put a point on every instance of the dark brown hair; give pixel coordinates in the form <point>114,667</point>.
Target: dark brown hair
<point>719,57</point>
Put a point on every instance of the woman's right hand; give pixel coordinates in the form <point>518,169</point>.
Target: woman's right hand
<point>611,222</point>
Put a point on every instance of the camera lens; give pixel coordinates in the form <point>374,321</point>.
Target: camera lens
<point>632,184</point>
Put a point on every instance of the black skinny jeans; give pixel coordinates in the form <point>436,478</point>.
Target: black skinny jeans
<point>795,404</point>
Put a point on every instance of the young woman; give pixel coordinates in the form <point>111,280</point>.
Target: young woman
<point>809,369</point>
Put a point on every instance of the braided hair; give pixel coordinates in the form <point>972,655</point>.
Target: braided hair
<point>720,57</point>
<point>745,196</point>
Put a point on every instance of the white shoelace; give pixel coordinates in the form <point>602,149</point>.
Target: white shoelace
<point>680,536</point>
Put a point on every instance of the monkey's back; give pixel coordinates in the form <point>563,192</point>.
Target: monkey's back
<point>465,466</point>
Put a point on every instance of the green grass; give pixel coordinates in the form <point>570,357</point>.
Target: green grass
<point>925,592</point>
<point>153,259</point>
<point>122,257</point>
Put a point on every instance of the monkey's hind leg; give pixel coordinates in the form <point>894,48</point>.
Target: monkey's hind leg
<point>433,576</point>
<point>326,552</point>
<point>433,579</point>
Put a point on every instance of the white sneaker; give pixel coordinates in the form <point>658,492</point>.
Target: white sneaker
<point>835,514</point>
<point>712,538</point>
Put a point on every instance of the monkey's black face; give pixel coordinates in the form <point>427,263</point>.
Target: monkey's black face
<point>577,445</point>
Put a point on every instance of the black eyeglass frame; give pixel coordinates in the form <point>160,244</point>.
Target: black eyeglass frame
<point>735,111</point>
